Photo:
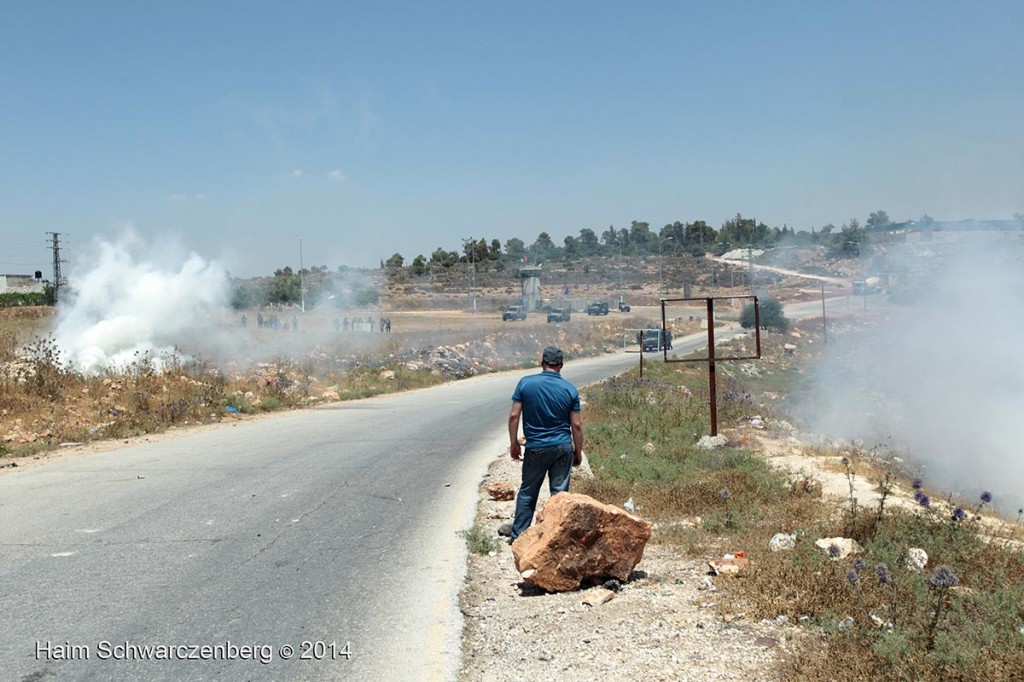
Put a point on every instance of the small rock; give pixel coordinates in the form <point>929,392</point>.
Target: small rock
<point>502,491</point>
<point>879,623</point>
<point>917,559</point>
<point>782,541</point>
<point>729,564</point>
<point>712,442</point>
<point>598,596</point>
<point>845,547</point>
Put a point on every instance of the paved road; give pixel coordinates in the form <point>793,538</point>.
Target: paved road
<point>330,525</point>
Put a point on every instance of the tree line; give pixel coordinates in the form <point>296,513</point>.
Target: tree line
<point>313,286</point>
<point>695,238</point>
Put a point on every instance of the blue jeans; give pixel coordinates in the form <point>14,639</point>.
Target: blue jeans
<point>554,462</point>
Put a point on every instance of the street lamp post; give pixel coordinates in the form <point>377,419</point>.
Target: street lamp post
<point>661,284</point>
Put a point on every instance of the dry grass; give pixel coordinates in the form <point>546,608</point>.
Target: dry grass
<point>869,616</point>
<point>44,403</point>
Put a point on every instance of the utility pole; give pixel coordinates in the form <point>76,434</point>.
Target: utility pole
<point>58,279</point>
<point>469,245</point>
<point>619,244</point>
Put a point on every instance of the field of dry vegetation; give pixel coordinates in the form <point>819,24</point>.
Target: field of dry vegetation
<point>44,403</point>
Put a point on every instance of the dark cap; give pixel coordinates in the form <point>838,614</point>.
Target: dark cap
<point>552,356</point>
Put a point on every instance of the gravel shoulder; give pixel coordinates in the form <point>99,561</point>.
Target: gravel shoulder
<point>661,625</point>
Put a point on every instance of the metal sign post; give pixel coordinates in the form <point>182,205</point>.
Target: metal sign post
<point>711,359</point>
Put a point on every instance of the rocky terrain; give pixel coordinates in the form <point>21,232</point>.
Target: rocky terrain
<point>662,624</point>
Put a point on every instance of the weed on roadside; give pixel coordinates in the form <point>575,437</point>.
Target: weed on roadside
<point>480,540</point>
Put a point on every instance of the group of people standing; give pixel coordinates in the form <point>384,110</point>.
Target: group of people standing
<point>382,324</point>
<point>363,324</point>
<point>272,322</point>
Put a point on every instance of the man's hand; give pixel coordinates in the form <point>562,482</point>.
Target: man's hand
<point>577,458</point>
<point>516,450</point>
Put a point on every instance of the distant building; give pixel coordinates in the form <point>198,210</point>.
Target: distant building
<point>20,284</point>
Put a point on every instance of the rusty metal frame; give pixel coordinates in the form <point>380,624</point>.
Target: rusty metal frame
<point>711,359</point>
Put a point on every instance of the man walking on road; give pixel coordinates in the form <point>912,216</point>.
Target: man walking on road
<point>549,407</point>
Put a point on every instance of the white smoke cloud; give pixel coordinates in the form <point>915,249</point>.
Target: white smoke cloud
<point>131,297</point>
<point>943,377</point>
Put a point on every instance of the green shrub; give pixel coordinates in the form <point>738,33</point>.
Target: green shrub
<point>770,312</point>
<point>14,300</point>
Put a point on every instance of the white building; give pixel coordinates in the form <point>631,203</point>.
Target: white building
<point>20,284</point>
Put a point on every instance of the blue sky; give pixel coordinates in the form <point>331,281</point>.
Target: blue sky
<point>375,128</point>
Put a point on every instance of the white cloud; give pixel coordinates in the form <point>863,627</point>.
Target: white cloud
<point>336,174</point>
<point>297,173</point>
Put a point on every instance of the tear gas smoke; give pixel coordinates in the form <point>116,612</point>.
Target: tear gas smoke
<point>940,373</point>
<point>126,302</point>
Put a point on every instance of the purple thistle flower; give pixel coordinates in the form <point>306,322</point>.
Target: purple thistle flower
<point>958,514</point>
<point>834,551</point>
<point>986,497</point>
<point>916,484</point>
<point>853,577</point>
<point>943,577</point>
<point>884,576</point>
<point>918,495</point>
<point>924,500</point>
<point>726,494</point>
<point>859,564</point>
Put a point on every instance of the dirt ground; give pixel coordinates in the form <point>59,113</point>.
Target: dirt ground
<point>663,625</point>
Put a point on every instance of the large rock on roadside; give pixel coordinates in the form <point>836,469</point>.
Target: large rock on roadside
<point>577,538</point>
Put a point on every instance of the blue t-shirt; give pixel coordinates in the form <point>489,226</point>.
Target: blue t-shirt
<point>547,400</point>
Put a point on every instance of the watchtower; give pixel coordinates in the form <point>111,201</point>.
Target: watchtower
<point>531,287</point>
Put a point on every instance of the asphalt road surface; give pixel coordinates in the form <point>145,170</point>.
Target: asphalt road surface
<point>332,531</point>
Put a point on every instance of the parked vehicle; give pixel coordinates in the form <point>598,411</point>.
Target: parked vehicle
<point>623,307</point>
<point>559,315</point>
<point>598,308</point>
<point>862,287</point>
<point>513,312</point>
<point>654,340</point>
